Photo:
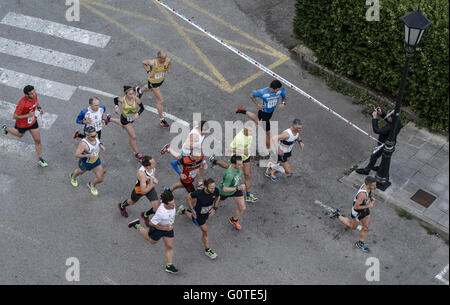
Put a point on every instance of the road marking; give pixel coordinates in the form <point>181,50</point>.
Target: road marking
<point>330,209</point>
<point>441,274</point>
<point>56,29</point>
<point>148,108</point>
<point>220,84</point>
<point>21,149</point>
<point>42,86</point>
<point>46,56</point>
<point>7,110</point>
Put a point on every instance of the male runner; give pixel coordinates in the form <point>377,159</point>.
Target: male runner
<point>193,142</point>
<point>241,147</point>
<point>161,225</point>
<point>284,143</point>
<point>231,187</point>
<point>270,97</point>
<point>190,165</point>
<point>156,71</point>
<point>145,186</point>
<point>26,120</point>
<point>94,115</point>
<point>88,151</point>
<point>206,203</point>
<point>362,202</point>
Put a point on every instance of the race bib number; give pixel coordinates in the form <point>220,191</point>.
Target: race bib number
<point>93,160</point>
<point>30,119</point>
<point>130,118</point>
<point>160,75</point>
<point>193,173</point>
<point>205,210</point>
<point>272,103</point>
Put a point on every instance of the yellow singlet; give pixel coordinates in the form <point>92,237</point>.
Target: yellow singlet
<point>159,72</point>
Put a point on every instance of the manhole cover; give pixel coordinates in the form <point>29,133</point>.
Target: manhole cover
<point>423,198</point>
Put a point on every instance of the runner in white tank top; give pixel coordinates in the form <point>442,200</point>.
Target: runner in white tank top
<point>284,143</point>
<point>88,152</point>
<point>362,202</point>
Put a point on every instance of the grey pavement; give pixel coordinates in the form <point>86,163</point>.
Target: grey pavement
<point>287,237</point>
<point>420,162</point>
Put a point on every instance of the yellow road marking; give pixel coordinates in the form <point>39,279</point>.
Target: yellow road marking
<point>222,83</point>
<point>197,50</point>
<point>139,37</point>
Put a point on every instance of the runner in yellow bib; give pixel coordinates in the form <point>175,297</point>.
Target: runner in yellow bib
<point>130,114</point>
<point>157,69</point>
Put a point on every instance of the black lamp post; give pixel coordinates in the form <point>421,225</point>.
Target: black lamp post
<point>415,25</point>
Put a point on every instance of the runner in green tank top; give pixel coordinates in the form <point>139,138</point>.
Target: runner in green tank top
<point>231,187</point>
<point>129,115</point>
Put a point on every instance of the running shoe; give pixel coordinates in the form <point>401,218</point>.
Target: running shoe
<point>181,210</point>
<point>163,123</point>
<point>165,149</point>
<point>139,156</point>
<point>270,173</point>
<point>251,198</point>
<point>362,246</point>
<point>76,134</point>
<point>241,110</point>
<point>134,223</point>
<point>336,213</point>
<point>73,181</point>
<point>137,92</point>
<point>94,191</point>
<point>210,253</point>
<point>235,223</point>
<point>212,160</point>
<point>123,211</point>
<point>4,131</point>
<point>171,268</point>
<point>108,119</point>
<point>42,163</point>
<point>145,219</point>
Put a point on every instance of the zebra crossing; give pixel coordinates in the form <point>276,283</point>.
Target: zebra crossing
<point>32,53</point>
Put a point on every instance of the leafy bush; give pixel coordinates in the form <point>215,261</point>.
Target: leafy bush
<point>374,53</point>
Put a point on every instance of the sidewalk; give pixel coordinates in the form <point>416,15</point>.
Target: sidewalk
<point>420,161</point>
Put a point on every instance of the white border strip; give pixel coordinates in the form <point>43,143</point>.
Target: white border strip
<point>42,86</point>
<point>148,108</point>
<point>441,274</point>
<point>45,56</point>
<point>56,29</point>
<point>268,71</point>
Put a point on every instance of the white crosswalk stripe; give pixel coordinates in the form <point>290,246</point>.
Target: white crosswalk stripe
<point>15,147</point>
<point>7,110</point>
<point>42,86</point>
<point>56,29</point>
<point>46,56</point>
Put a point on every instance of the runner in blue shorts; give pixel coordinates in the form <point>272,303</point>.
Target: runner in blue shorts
<point>88,151</point>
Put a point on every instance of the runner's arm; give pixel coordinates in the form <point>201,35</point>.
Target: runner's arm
<point>280,137</point>
<point>359,200</point>
<point>174,164</point>
<point>142,180</point>
<point>147,64</point>
<point>190,201</point>
<point>81,115</point>
<point>169,66</point>
<point>82,147</point>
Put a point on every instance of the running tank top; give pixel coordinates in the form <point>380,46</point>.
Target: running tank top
<point>366,202</point>
<point>148,178</point>
<point>159,72</point>
<point>197,145</point>
<point>93,149</point>
<point>129,111</point>
<point>286,145</point>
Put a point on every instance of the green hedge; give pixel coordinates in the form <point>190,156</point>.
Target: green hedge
<point>374,54</point>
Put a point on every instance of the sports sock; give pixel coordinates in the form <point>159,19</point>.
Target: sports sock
<point>149,212</point>
<point>279,168</point>
<point>124,204</point>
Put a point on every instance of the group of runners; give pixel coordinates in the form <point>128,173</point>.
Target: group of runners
<point>202,201</point>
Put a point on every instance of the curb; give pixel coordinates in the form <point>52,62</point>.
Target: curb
<point>406,206</point>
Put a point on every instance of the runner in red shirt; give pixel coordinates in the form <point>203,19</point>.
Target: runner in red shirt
<point>190,165</point>
<point>26,120</point>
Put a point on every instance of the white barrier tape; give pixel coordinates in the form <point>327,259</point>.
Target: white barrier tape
<point>268,71</point>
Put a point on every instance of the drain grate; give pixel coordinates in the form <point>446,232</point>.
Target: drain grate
<point>423,198</point>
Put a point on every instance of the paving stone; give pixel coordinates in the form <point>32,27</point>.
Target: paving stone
<point>429,171</point>
<point>411,188</point>
<point>437,188</point>
<point>444,220</point>
<point>441,204</point>
<point>442,178</point>
<point>433,213</point>
<point>421,180</point>
<point>416,142</point>
<point>414,164</point>
<point>438,162</point>
<point>423,155</point>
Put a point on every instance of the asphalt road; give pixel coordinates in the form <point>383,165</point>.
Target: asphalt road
<point>286,239</point>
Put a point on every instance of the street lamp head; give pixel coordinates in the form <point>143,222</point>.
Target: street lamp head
<point>415,25</point>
